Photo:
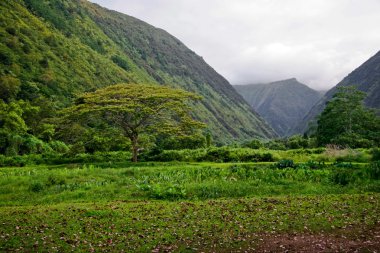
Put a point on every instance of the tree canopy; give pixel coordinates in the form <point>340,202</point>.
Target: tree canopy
<point>138,109</point>
<point>347,122</point>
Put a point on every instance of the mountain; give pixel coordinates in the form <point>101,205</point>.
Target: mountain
<point>58,49</point>
<point>283,104</point>
<point>366,78</point>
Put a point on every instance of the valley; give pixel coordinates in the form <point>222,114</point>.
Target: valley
<point>117,137</point>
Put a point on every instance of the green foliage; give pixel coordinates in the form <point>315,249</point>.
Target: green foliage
<point>164,191</point>
<point>57,49</point>
<point>275,145</point>
<point>346,122</point>
<point>374,170</point>
<point>138,109</point>
<point>282,164</point>
<point>214,154</point>
<point>375,154</point>
<point>121,62</point>
<point>342,177</point>
<point>9,87</point>
<point>36,187</point>
<point>11,116</point>
<point>297,141</point>
<point>169,142</point>
<point>187,226</point>
<point>254,144</point>
<point>107,181</point>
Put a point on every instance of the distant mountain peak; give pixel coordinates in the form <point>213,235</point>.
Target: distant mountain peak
<point>282,103</point>
<point>293,79</point>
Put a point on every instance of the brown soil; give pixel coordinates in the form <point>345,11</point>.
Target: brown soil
<point>364,241</point>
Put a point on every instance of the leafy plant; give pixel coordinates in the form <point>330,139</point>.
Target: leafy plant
<point>282,164</point>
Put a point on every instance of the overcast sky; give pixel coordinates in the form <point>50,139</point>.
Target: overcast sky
<point>248,41</point>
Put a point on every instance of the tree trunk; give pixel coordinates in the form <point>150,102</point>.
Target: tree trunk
<point>134,148</point>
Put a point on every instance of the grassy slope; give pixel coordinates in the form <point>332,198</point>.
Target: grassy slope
<point>52,64</point>
<point>283,104</point>
<point>62,48</point>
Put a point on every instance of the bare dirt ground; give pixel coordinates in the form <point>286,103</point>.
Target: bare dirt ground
<point>347,241</point>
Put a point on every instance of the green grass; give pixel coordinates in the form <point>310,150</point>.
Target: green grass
<point>213,225</point>
<point>181,206</point>
<point>174,181</point>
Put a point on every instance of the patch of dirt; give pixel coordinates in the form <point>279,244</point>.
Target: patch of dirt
<point>364,241</point>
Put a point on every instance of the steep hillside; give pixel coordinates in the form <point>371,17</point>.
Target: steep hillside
<point>366,78</point>
<point>60,48</point>
<point>283,104</point>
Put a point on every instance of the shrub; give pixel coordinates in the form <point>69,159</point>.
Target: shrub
<point>285,164</point>
<point>275,145</point>
<point>167,156</point>
<point>254,144</point>
<point>55,180</point>
<point>59,147</point>
<point>36,187</point>
<point>373,170</point>
<point>168,192</point>
<point>375,154</point>
<point>121,62</point>
<point>218,155</point>
<point>341,176</point>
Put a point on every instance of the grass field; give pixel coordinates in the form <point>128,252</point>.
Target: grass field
<point>190,207</point>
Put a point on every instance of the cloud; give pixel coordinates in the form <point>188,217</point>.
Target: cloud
<point>248,41</point>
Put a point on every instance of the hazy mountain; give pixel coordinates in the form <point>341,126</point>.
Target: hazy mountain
<point>60,48</point>
<point>366,78</point>
<point>283,104</point>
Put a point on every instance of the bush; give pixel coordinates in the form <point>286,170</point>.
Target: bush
<point>167,156</point>
<point>55,180</point>
<point>275,145</point>
<point>166,192</point>
<point>342,176</point>
<point>373,170</point>
<point>285,164</point>
<point>375,154</point>
<point>36,187</point>
<point>218,155</point>
<point>59,147</point>
<point>121,62</point>
<point>254,144</point>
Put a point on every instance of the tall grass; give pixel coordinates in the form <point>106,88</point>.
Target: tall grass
<point>172,181</point>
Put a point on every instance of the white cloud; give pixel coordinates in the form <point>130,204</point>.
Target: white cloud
<point>247,41</point>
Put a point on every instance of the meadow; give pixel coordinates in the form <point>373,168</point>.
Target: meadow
<point>204,206</point>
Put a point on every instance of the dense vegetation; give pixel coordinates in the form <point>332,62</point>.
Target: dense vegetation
<point>52,51</point>
<point>186,206</point>
<point>84,90</point>
<point>136,109</point>
<point>282,104</point>
<point>345,121</point>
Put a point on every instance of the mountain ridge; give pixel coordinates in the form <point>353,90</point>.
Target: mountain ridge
<point>78,46</point>
<point>282,103</point>
<point>366,78</point>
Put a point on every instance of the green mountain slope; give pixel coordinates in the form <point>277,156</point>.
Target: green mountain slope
<point>283,104</point>
<point>60,48</point>
<point>366,78</point>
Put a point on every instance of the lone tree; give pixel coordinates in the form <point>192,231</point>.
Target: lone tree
<point>346,121</point>
<point>138,109</point>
